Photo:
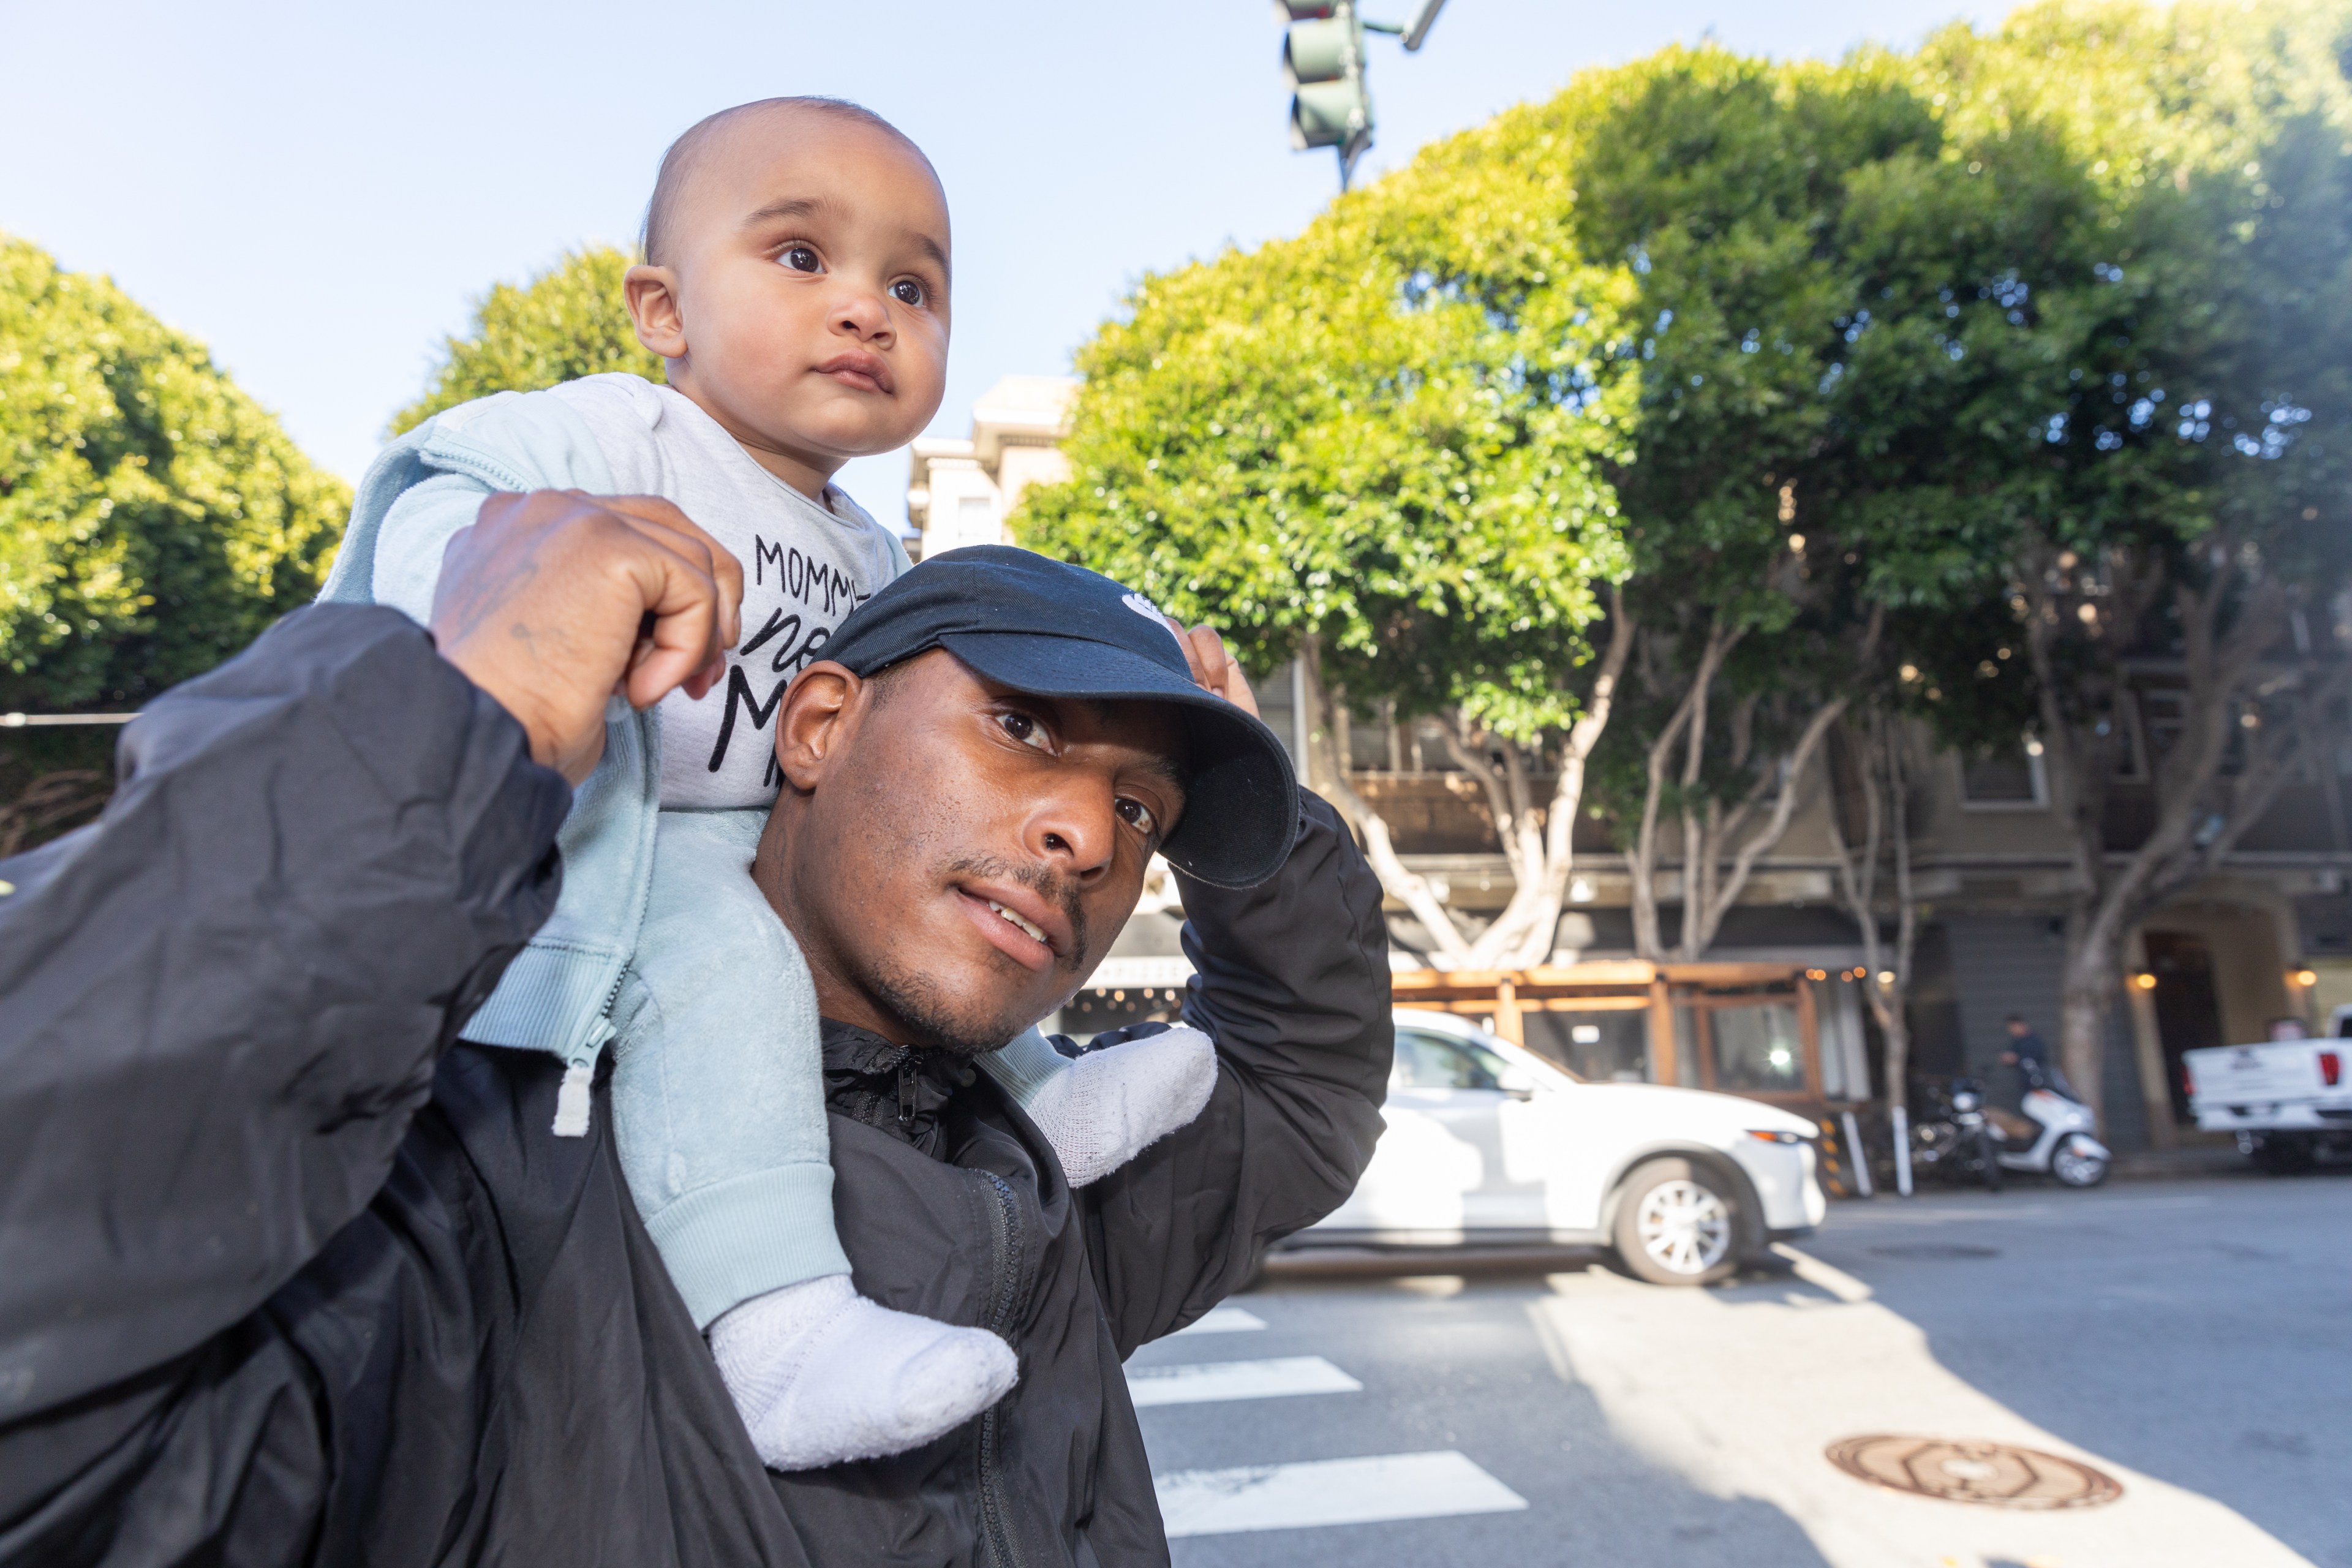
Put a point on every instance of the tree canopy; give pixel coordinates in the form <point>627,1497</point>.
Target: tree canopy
<point>566,323</point>
<point>1817,362</point>
<point>153,518</point>
<point>1380,447</point>
<point>1386,435</point>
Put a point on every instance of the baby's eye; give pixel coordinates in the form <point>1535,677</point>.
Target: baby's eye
<point>1026,730</point>
<point>1138,815</point>
<point>801,258</point>
<point>907,292</point>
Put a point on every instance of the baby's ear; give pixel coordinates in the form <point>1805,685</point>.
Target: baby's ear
<point>652,295</point>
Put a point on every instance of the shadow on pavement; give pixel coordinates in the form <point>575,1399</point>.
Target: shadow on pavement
<point>1452,1369</point>
<point>2195,1332</point>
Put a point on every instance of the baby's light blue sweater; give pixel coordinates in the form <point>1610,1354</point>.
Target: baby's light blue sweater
<point>660,942</point>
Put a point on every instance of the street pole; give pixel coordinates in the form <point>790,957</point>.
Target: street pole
<point>1360,113</point>
<point>1855,1152</point>
<point>1902,1119</point>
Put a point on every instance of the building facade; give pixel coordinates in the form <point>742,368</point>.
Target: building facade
<point>960,490</point>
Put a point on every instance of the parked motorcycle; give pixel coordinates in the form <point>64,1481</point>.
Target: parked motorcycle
<point>1962,1139</point>
<point>2056,1136</point>
<point>1954,1140</point>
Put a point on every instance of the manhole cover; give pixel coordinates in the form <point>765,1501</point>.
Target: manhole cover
<point>1934,1249</point>
<point>1957,1470</point>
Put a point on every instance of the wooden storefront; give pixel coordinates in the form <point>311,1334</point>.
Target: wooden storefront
<point>1750,1029</point>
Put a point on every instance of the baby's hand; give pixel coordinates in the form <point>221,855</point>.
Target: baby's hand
<point>1215,669</point>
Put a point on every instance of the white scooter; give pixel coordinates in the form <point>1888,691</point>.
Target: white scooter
<point>2057,1134</point>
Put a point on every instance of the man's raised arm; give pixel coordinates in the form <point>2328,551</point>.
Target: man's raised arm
<point>224,1001</point>
<point>1293,986</point>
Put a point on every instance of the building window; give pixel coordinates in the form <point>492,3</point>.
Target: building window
<point>1758,1049</point>
<point>1599,1046</point>
<point>2005,781</point>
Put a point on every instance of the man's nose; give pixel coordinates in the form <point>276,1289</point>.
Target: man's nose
<point>1077,833</point>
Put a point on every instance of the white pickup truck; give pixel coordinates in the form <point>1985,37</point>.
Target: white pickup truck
<point>2288,1101</point>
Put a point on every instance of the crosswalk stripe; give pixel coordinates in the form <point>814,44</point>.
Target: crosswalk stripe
<point>1224,1320</point>
<point>1329,1491</point>
<point>1222,1380</point>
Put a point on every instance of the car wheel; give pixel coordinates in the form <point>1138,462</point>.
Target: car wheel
<point>1677,1224</point>
<point>2284,1154</point>
<point>2076,1167</point>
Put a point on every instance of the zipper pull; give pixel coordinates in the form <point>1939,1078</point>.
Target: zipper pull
<point>572,1100</point>
<point>907,1090</point>
<point>579,1075</point>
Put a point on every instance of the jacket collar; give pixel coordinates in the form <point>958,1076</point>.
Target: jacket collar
<point>903,1091</point>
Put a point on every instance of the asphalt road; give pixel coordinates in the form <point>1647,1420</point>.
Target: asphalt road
<point>2192,1340</point>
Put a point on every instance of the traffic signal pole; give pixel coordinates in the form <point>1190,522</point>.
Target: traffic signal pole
<point>1323,61</point>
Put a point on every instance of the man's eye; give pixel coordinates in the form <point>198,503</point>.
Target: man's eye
<point>1138,815</point>
<point>907,292</point>
<point>801,258</point>
<point>1026,730</point>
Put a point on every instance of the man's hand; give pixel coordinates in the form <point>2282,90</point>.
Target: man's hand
<point>555,601</point>
<point>1213,668</point>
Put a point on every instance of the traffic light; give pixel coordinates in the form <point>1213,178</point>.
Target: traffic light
<point>1323,61</point>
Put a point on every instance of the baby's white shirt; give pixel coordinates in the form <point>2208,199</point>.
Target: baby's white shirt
<point>804,568</point>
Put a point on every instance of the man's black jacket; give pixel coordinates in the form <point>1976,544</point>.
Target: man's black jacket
<point>288,1274</point>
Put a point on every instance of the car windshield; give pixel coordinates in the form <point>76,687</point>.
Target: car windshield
<point>1433,1061</point>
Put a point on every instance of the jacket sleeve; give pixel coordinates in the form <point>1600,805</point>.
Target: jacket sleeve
<point>225,1000</point>
<point>1292,984</point>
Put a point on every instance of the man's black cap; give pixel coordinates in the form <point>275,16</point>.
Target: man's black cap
<point>1051,629</point>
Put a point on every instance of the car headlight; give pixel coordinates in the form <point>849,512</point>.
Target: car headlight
<point>1763,1137</point>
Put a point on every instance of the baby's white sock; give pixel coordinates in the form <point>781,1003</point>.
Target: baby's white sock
<point>821,1374</point>
<point>1110,1105</point>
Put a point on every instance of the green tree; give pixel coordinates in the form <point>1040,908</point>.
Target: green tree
<point>1923,313</point>
<point>1377,447</point>
<point>1927,387</point>
<point>567,323</point>
<point>153,519</point>
<point>2181,521</point>
<point>1839,391</point>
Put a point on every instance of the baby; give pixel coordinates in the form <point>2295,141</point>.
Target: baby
<point>796,285</point>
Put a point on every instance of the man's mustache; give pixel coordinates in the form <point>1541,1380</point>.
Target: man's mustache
<point>1060,892</point>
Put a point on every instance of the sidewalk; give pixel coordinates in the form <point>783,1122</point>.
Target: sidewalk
<point>2181,1164</point>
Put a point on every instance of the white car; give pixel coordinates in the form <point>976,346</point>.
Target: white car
<point>1489,1144</point>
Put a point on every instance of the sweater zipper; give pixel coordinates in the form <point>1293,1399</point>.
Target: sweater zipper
<point>1004,1237</point>
<point>572,1097</point>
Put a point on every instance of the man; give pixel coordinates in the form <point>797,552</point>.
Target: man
<point>289,1273</point>
<point>2029,1056</point>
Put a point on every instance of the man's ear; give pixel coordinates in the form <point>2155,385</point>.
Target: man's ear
<point>652,296</point>
<point>817,714</point>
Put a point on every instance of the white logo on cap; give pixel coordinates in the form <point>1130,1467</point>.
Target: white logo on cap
<point>1150,611</point>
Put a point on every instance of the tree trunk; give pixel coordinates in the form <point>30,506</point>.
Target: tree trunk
<point>2092,981</point>
<point>1885,785</point>
<point>1688,725</point>
<point>1539,846</point>
<point>1326,772</point>
<point>48,803</point>
<point>1522,935</point>
<point>1708,891</point>
<point>2199,817</point>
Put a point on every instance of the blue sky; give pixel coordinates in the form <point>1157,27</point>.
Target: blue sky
<point>320,192</point>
